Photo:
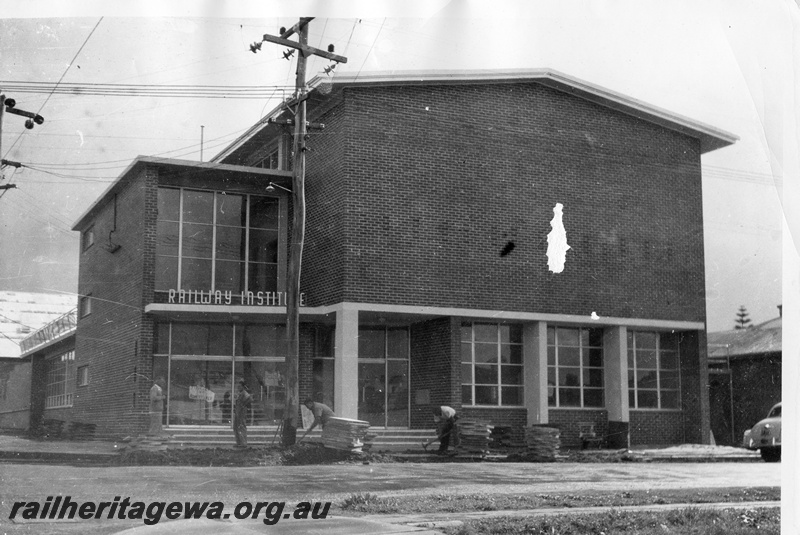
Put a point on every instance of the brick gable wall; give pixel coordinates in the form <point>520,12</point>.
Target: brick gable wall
<point>432,183</point>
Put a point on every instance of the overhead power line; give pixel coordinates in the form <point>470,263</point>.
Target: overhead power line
<point>146,90</point>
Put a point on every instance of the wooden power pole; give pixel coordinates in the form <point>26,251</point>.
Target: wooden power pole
<point>298,106</point>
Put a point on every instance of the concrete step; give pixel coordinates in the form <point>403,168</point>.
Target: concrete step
<point>211,437</point>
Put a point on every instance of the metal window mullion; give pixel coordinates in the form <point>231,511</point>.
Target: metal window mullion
<point>658,368</point>
<point>580,364</point>
<point>246,281</point>
<point>214,243</point>
<point>180,238</point>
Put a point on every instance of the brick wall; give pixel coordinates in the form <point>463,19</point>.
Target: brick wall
<point>567,421</point>
<point>496,416</point>
<point>435,368</point>
<point>657,428</point>
<point>427,185</point>
<point>15,393</point>
<point>115,340</point>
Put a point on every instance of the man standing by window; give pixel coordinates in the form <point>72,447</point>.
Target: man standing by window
<point>241,408</point>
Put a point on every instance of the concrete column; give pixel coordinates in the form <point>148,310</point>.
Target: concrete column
<point>615,355</point>
<point>534,359</point>
<point>345,387</point>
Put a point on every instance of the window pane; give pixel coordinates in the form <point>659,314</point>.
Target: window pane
<point>648,399</point>
<point>264,212</point>
<point>485,374</point>
<point>511,354</point>
<point>511,334</point>
<point>512,375</point>
<point>166,273</point>
<point>372,343</point>
<point>669,341</point>
<point>263,246</point>
<point>569,377</point>
<point>466,332</point>
<point>167,238</point>
<point>161,345</point>
<point>196,274</point>
<point>551,356</point>
<point>669,360</point>
<point>670,400</point>
<point>220,340</point>
<point>198,206</point>
<point>647,379</point>
<point>567,337</point>
<point>569,397</point>
<point>466,394</point>
<point>512,395</point>
<point>486,395</point>
<point>263,277</point>
<point>169,204</point>
<point>551,336</point>
<point>397,393</point>
<point>569,356</point>
<point>189,339</point>
<point>593,357</point>
<point>466,373</point>
<point>593,397</point>
<point>630,358</point>
<point>229,276</point>
<point>645,358</point>
<point>261,340</point>
<point>230,243</point>
<point>631,379</point>
<point>197,240</point>
<point>593,377</point>
<point>485,332</point>
<point>466,352</point>
<point>645,340</point>
<point>230,210</point>
<point>596,337</point>
<point>397,344</point>
<point>322,381</point>
<point>669,380</point>
<point>631,399</point>
<point>486,353</point>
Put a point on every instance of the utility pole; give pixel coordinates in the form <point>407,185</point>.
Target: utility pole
<point>298,107</point>
<point>8,105</point>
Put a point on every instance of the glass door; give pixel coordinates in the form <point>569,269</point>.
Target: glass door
<point>265,380</point>
<point>383,387</point>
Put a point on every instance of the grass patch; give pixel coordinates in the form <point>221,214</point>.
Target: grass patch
<point>449,503</point>
<point>687,521</point>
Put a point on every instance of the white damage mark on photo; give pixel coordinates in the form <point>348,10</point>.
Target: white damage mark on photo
<point>557,241</point>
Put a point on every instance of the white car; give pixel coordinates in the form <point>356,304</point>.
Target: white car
<point>766,436</point>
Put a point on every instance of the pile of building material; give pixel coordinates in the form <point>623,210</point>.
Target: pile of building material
<point>508,439</point>
<point>346,434</point>
<point>473,437</point>
<point>542,443</point>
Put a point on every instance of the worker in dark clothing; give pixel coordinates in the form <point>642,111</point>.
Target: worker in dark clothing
<point>322,413</point>
<point>445,419</point>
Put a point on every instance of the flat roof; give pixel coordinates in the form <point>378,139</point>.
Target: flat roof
<point>710,137</point>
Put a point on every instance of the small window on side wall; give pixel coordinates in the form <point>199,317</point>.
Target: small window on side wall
<point>83,375</point>
<point>87,239</point>
<point>85,305</point>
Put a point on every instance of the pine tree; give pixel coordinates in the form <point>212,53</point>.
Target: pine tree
<point>742,319</point>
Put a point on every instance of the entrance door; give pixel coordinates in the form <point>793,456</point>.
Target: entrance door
<point>383,376</point>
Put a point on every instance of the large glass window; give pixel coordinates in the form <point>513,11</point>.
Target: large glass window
<point>383,376</point>
<point>61,379</point>
<point>322,373</point>
<point>653,370</point>
<point>575,367</point>
<point>212,240</point>
<point>491,364</point>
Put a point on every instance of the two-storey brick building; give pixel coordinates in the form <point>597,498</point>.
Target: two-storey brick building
<point>425,278</point>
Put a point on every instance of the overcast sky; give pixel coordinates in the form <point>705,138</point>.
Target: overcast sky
<point>727,64</point>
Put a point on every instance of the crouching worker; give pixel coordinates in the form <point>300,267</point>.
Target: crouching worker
<point>322,413</point>
<point>445,419</point>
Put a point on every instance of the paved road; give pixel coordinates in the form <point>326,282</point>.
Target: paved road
<point>278,483</point>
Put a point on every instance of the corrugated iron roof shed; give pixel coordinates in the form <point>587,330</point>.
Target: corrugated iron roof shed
<point>21,313</point>
<point>757,340</point>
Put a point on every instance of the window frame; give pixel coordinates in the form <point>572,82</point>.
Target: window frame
<point>85,305</point>
<point>633,370</point>
<point>470,382</point>
<point>581,367</point>
<point>249,266</point>
<point>60,380</point>
<point>87,239</point>
<point>82,375</point>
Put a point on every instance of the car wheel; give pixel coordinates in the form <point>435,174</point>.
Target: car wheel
<point>771,455</point>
